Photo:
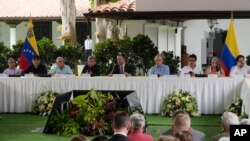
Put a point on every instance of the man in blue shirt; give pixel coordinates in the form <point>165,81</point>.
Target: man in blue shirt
<point>60,67</point>
<point>159,68</point>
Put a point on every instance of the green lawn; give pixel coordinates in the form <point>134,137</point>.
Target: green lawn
<point>18,127</point>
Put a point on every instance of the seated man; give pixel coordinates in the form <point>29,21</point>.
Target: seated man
<point>12,70</point>
<point>182,123</point>
<point>192,68</point>
<point>227,119</point>
<point>60,67</point>
<point>159,68</point>
<point>241,69</point>
<point>122,67</point>
<point>121,126</point>
<point>137,126</point>
<point>91,67</point>
<point>36,67</point>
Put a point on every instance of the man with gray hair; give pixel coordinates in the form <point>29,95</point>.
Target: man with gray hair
<point>227,119</point>
<point>60,67</point>
<point>138,124</point>
<point>91,67</point>
<point>182,122</point>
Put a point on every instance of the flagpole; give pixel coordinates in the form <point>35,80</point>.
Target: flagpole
<point>232,15</point>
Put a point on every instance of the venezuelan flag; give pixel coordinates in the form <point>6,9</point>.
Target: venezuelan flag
<point>29,49</point>
<point>230,50</point>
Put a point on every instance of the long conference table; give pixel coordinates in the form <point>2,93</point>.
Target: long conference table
<point>213,94</point>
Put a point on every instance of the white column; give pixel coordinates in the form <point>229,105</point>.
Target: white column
<point>12,35</point>
<point>178,41</point>
<point>163,38</point>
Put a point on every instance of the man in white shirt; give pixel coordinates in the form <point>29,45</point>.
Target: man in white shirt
<point>88,44</point>
<point>241,69</point>
<point>192,68</point>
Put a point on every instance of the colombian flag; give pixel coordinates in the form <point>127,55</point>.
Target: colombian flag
<point>29,49</point>
<point>230,50</point>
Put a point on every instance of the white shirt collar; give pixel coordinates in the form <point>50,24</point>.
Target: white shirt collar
<point>121,133</point>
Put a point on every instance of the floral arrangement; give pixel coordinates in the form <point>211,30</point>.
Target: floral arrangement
<point>65,37</point>
<point>89,114</point>
<point>44,103</point>
<point>236,108</point>
<point>179,100</point>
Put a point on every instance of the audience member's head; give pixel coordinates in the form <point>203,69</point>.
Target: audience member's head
<point>227,119</point>
<point>192,60</point>
<point>79,137</point>
<point>240,60</point>
<point>11,63</point>
<point>36,61</point>
<point>100,138</point>
<point>168,138</point>
<point>245,122</point>
<point>224,139</point>
<point>60,62</point>
<point>120,59</point>
<point>137,122</point>
<point>184,136</point>
<point>121,122</point>
<point>91,61</point>
<point>181,123</point>
<point>158,60</point>
<point>179,112</point>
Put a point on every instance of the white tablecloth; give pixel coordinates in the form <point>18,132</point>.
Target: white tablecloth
<point>245,95</point>
<point>212,94</point>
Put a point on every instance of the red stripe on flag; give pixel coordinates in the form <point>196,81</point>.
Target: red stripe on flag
<point>224,67</point>
<point>24,63</point>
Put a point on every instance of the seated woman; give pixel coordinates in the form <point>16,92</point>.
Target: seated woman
<point>215,68</point>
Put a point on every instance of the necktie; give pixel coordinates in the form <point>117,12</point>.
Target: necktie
<point>121,69</point>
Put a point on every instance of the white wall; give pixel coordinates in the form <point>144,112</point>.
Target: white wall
<point>56,33</point>
<point>5,33</point>
<point>194,32</point>
<point>134,27</point>
<point>21,31</point>
<point>192,5</point>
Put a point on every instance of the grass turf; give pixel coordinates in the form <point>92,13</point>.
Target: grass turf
<point>18,127</point>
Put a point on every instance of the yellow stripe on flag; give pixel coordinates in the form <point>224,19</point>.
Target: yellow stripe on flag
<point>31,37</point>
<point>231,40</point>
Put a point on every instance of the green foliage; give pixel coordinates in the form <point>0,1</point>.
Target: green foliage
<point>236,108</point>
<point>172,61</point>
<point>139,52</point>
<point>72,53</point>
<point>47,51</point>
<point>16,49</point>
<point>5,52</point>
<point>145,51</point>
<point>92,113</point>
<point>64,125</point>
<point>180,100</point>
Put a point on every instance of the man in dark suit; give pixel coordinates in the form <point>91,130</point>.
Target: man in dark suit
<point>182,123</point>
<point>121,126</point>
<point>121,67</point>
<point>36,67</point>
<point>91,67</point>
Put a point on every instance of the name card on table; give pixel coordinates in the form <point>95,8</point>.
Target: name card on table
<point>85,75</point>
<point>212,75</point>
<point>170,76</point>
<point>63,75</point>
<point>186,75</point>
<point>3,75</point>
<point>153,75</point>
<point>119,75</point>
<point>29,75</point>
